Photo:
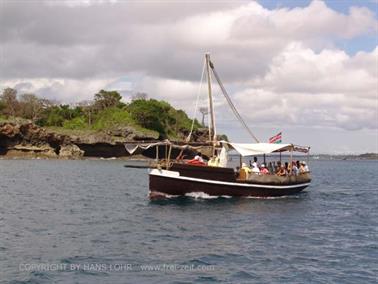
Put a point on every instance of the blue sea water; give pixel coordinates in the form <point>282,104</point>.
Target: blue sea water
<point>91,222</point>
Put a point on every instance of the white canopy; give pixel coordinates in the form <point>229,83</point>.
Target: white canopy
<point>251,149</point>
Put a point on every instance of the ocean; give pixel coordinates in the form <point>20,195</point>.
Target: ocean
<point>91,221</point>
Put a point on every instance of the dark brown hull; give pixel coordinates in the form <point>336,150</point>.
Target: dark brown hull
<point>178,185</point>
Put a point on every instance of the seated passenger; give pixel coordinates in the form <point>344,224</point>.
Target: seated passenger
<point>271,168</point>
<point>198,160</point>
<point>264,170</point>
<point>255,163</point>
<point>282,171</point>
<point>303,168</point>
<point>244,172</point>
<point>298,164</point>
<point>295,170</point>
<point>255,169</point>
<point>199,157</point>
<point>288,167</point>
<point>213,162</point>
<point>237,172</point>
<point>306,167</point>
<point>278,167</point>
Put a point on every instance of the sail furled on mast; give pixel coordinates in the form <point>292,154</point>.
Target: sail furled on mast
<point>212,128</point>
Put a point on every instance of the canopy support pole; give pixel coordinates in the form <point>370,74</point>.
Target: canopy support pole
<point>157,153</point>
<point>166,153</point>
<point>291,161</point>
<point>169,156</point>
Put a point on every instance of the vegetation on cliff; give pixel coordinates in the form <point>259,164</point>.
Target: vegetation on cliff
<point>105,113</point>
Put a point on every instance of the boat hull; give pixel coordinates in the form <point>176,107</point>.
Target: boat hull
<point>171,183</point>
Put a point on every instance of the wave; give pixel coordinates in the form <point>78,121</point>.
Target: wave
<point>203,195</point>
<point>273,197</point>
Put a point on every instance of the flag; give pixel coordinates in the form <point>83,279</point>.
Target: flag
<point>276,138</point>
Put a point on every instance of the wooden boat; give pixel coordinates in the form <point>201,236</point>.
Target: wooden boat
<point>183,179</point>
<point>179,178</point>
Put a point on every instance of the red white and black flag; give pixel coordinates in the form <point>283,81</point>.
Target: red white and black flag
<point>276,138</point>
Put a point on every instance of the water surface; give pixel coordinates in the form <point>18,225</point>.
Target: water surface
<point>91,222</point>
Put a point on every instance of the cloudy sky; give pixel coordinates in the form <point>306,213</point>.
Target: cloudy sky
<point>306,68</point>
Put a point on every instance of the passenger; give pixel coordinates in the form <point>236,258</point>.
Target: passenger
<point>255,163</point>
<point>197,161</point>
<point>295,170</point>
<point>255,169</point>
<point>287,166</point>
<point>199,158</point>
<point>278,167</point>
<point>264,170</point>
<point>244,172</point>
<point>298,164</point>
<point>270,168</point>
<point>274,167</point>
<point>213,162</point>
<point>303,168</point>
<point>282,171</point>
<point>306,167</point>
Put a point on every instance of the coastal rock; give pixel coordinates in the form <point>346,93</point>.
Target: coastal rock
<point>200,135</point>
<point>28,150</point>
<point>70,151</point>
<point>131,134</point>
<point>25,139</point>
<point>9,130</point>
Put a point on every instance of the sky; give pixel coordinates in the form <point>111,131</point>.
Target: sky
<point>306,68</point>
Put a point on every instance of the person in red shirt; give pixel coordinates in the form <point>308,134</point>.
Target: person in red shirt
<point>264,170</point>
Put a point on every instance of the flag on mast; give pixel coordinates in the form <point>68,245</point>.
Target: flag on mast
<point>276,139</point>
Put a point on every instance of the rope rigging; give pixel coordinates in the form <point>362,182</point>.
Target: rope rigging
<point>228,99</point>
<point>232,106</point>
<point>196,107</point>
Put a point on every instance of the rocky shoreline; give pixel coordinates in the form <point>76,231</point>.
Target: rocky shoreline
<point>27,140</point>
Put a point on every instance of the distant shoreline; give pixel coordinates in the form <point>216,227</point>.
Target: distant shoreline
<point>366,156</point>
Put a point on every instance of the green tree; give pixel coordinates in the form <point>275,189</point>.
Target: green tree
<point>107,99</point>
<point>31,106</point>
<point>10,102</point>
<point>54,118</point>
<point>76,123</point>
<point>149,114</point>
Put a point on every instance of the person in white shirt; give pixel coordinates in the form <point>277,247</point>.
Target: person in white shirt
<point>199,157</point>
<point>255,169</point>
<point>294,168</point>
<point>255,163</point>
<point>303,168</point>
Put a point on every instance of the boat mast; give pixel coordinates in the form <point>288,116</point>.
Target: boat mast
<point>212,129</point>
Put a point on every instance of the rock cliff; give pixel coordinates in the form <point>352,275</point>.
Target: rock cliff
<point>25,139</point>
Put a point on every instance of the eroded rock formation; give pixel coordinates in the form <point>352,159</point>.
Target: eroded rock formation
<point>25,139</point>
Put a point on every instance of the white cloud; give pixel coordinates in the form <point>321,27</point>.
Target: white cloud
<point>160,39</point>
<point>281,65</point>
<point>328,89</point>
<point>58,89</point>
